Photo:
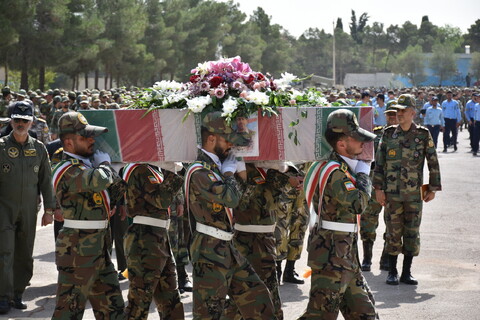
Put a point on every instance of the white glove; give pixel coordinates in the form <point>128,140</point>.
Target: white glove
<point>363,166</point>
<point>100,157</point>
<point>229,164</point>
<point>241,166</point>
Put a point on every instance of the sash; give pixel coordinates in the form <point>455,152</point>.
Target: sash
<point>193,168</point>
<point>127,171</point>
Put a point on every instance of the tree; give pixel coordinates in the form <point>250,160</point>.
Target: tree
<point>392,43</point>
<point>339,24</point>
<point>475,65</point>
<point>427,34</point>
<point>314,53</point>
<point>356,28</point>
<point>472,38</point>
<point>374,40</point>
<point>443,61</point>
<point>411,64</point>
<point>408,35</point>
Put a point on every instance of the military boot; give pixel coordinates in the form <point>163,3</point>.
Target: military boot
<point>384,265</point>
<point>4,306</point>
<point>289,275</point>
<point>17,302</point>
<point>184,283</point>
<point>279,271</point>
<point>392,277</point>
<point>367,255</point>
<point>406,275</point>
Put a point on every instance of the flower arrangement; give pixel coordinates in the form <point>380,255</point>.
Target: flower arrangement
<point>231,86</point>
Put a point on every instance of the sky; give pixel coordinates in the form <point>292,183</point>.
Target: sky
<point>298,15</point>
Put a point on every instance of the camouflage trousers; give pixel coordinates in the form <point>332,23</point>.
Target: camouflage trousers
<point>402,219</point>
<point>212,283</point>
<point>152,274</point>
<point>292,223</point>
<point>335,289</point>
<point>259,250</point>
<point>99,284</point>
<point>179,234</point>
<point>369,220</point>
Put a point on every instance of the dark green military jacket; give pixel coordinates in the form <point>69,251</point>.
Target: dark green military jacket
<point>79,195</point>
<point>208,196</point>
<point>25,170</point>
<point>341,202</point>
<point>400,160</point>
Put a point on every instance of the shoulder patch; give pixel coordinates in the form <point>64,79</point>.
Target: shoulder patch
<point>212,177</point>
<point>422,128</point>
<point>75,162</point>
<point>378,128</point>
<point>349,186</point>
<point>41,120</point>
<point>344,167</point>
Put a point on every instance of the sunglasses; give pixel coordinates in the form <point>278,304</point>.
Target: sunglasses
<point>16,120</point>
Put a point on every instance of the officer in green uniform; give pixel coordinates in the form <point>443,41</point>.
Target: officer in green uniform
<point>25,171</point>
<point>369,218</point>
<point>397,181</point>
<point>151,268</point>
<point>218,268</point>
<point>337,283</point>
<point>5,100</point>
<point>85,270</point>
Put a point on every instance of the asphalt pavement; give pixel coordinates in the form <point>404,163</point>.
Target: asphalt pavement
<point>448,267</point>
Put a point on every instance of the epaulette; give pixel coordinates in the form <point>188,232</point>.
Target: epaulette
<point>422,128</point>
<point>344,167</point>
<point>41,120</point>
<point>377,128</point>
<point>392,127</point>
<point>204,164</point>
<point>74,162</point>
<point>59,150</point>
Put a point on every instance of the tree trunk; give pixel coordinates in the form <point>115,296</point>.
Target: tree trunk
<point>96,79</point>
<point>41,78</point>
<point>6,72</point>
<point>86,80</point>
<point>77,83</point>
<point>24,68</point>
<point>73,82</point>
<point>111,81</point>
<point>105,80</point>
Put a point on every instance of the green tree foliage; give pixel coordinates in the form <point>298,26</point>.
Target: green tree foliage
<point>427,34</point>
<point>475,66</point>
<point>472,38</point>
<point>411,63</point>
<point>357,27</point>
<point>443,61</point>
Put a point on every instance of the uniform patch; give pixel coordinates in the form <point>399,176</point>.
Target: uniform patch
<point>153,180</point>
<point>259,180</point>
<point>431,144</point>
<point>6,168</point>
<point>212,177</point>
<point>35,169</point>
<point>30,153</point>
<point>392,153</point>
<point>82,119</point>
<point>344,167</point>
<point>217,207</point>
<point>74,161</point>
<point>349,186</point>
<point>13,152</point>
<point>97,198</point>
<point>45,130</point>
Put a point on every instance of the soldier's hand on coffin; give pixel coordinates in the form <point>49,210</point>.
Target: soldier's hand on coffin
<point>229,164</point>
<point>363,167</point>
<point>100,157</point>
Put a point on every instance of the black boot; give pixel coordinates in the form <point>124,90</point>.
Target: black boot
<point>367,255</point>
<point>290,275</point>
<point>392,277</point>
<point>406,274</point>
<point>184,284</point>
<point>4,306</point>
<point>17,303</point>
<point>384,265</point>
<point>279,271</point>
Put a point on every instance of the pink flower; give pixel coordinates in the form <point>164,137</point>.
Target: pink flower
<point>257,86</point>
<point>219,93</point>
<point>292,102</point>
<point>204,86</point>
<point>237,85</point>
<point>244,94</point>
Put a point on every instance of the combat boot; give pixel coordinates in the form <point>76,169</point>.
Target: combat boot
<point>17,302</point>
<point>4,306</point>
<point>392,277</point>
<point>184,283</point>
<point>406,273</point>
<point>384,265</point>
<point>289,275</point>
<point>367,255</point>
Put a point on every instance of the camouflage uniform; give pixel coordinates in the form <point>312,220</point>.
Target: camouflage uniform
<point>56,116</point>
<point>337,283</point>
<point>178,232</point>
<point>256,209</point>
<point>218,268</point>
<point>41,128</point>
<point>83,262</point>
<point>151,268</point>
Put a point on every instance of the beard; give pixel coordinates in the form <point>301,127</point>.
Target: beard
<point>222,154</point>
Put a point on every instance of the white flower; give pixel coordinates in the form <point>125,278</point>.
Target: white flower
<point>285,81</point>
<point>197,104</point>
<point>147,97</point>
<point>229,106</point>
<point>258,97</point>
<point>165,85</point>
<point>203,68</point>
<point>296,93</point>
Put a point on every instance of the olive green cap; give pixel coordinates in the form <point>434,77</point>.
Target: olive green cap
<point>344,121</point>
<point>75,122</point>
<point>391,106</point>
<point>405,101</point>
<point>215,123</point>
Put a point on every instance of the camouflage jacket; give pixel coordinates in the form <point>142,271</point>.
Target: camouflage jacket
<point>341,202</point>
<point>25,170</point>
<point>208,197</point>
<point>256,206</point>
<point>41,128</point>
<point>56,116</point>
<point>400,160</point>
<point>78,192</point>
<point>147,196</point>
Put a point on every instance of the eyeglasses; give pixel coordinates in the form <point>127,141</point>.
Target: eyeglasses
<point>17,120</point>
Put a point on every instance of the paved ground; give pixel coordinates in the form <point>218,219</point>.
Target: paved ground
<point>448,268</point>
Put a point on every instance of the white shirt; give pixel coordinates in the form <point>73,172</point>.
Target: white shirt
<point>85,161</point>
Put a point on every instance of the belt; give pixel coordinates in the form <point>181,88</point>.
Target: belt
<point>85,224</point>
<point>154,222</point>
<point>214,232</point>
<point>252,228</point>
<point>339,226</point>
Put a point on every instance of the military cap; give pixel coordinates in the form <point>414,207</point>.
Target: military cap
<point>75,122</point>
<point>65,99</point>
<point>22,110</point>
<point>391,106</point>
<point>22,93</point>
<point>57,99</point>
<point>50,92</point>
<point>342,94</point>
<point>434,98</point>
<point>6,90</point>
<point>405,101</point>
<point>56,92</point>
<point>72,95</point>
<point>215,123</point>
<point>344,121</point>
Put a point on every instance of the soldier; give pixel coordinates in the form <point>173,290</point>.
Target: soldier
<point>397,181</point>
<point>25,170</point>
<point>56,116</point>
<point>343,192</point>
<point>218,268</point>
<point>369,218</point>
<point>5,101</point>
<point>254,230</point>
<point>151,268</point>
<point>41,128</point>
<point>85,270</point>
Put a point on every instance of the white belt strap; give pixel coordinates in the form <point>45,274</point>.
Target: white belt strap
<point>251,228</point>
<point>214,232</point>
<point>339,226</point>
<point>85,224</point>
<point>149,221</point>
